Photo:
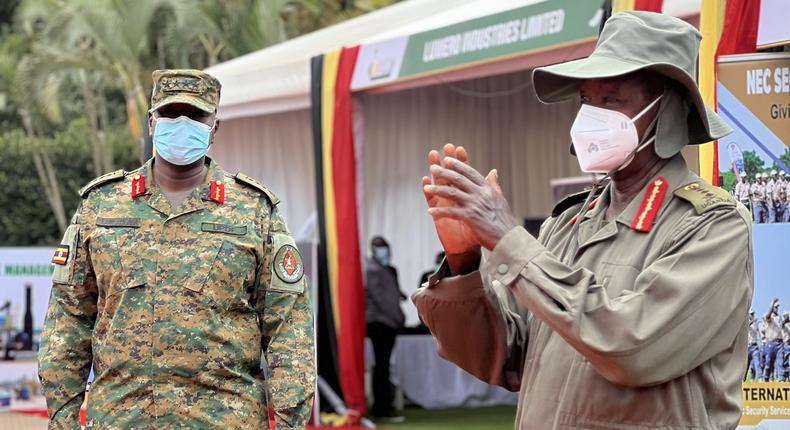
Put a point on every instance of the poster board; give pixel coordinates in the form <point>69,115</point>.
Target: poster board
<point>753,95</point>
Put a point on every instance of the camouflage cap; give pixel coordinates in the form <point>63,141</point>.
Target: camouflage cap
<point>193,87</point>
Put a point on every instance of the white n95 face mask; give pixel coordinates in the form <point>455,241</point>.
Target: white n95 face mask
<point>605,139</point>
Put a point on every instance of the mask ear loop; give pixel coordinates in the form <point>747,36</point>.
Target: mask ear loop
<point>650,128</point>
<point>572,244</point>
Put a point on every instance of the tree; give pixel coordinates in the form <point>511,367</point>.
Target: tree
<point>752,163</point>
<point>26,218</point>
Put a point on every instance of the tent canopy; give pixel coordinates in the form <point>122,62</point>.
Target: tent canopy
<point>277,78</point>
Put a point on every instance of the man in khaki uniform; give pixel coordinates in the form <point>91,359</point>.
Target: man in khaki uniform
<point>755,352</point>
<point>773,349</point>
<point>173,281</point>
<point>758,198</point>
<point>741,191</point>
<point>629,310</point>
<point>786,197</point>
<point>770,201</point>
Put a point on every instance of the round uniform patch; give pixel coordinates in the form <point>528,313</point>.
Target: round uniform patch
<point>288,264</point>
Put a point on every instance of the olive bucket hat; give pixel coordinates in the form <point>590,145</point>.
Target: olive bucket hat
<point>634,41</point>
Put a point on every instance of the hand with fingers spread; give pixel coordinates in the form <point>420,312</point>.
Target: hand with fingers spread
<point>468,209</point>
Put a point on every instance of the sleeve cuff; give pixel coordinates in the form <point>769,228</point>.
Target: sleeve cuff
<point>513,252</point>
<point>443,286</point>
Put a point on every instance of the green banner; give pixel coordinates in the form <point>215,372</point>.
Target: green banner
<point>543,25</point>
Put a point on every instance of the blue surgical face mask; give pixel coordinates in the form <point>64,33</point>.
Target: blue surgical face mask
<point>382,255</point>
<point>181,140</point>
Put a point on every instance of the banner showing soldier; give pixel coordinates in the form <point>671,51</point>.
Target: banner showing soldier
<point>754,162</point>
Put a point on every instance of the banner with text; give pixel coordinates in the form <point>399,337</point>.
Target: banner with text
<point>546,25</point>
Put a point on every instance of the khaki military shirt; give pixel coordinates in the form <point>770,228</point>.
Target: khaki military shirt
<point>743,196</point>
<point>646,328</point>
<point>778,190</point>
<point>758,192</point>
<point>174,307</point>
<point>773,327</point>
<point>754,333</point>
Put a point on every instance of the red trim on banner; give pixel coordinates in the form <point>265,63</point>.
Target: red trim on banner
<point>649,5</point>
<point>738,36</point>
<point>351,293</point>
<point>739,32</point>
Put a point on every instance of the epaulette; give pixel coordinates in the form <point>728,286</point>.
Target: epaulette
<point>572,200</point>
<point>103,179</point>
<point>704,196</point>
<point>246,180</point>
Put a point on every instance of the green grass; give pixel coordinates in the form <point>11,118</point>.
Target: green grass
<point>494,418</point>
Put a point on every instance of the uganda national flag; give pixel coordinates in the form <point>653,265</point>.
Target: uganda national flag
<point>61,255</point>
<point>341,290</point>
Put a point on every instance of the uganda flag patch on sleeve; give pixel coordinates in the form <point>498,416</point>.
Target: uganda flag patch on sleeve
<point>61,255</point>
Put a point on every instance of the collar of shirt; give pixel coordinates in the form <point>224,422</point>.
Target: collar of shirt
<point>675,172</point>
<point>197,200</point>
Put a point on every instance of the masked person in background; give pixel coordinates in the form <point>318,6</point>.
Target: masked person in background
<point>630,309</point>
<point>176,281</point>
<point>384,318</point>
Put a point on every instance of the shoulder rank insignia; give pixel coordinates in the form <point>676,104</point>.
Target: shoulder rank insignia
<point>217,192</point>
<point>246,180</point>
<point>138,186</point>
<point>103,179</point>
<point>650,206</point>
<point>61,255</point>
<point>704,196</point>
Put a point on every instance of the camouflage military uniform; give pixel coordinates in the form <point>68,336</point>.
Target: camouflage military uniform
<point>173,308</point>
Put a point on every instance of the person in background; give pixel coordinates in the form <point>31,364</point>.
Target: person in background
<point>770,202</point>
<point>741,191</point>
<point>786,217</point>
<point>384,319</point>
<point>755,358</point>
<point>786,347</point>
<point>757,193</point>
<point>426,275</point>
<point>773,350</point>
<point>779,193</point>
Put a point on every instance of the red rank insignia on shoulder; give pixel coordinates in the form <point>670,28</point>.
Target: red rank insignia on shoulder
<point>217,192</point>
<point>61,255</point>
<point>138,186</point>
<point>651,204</point>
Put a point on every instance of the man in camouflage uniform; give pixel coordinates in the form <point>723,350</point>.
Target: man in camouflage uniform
<point>174,282</point>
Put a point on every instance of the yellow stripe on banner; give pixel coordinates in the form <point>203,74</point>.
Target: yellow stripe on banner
<point>711,21</point>
<point>328,81</point>
<point>622,5</point>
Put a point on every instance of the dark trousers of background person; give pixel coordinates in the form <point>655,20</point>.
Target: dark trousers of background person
<point>383,339</point>
<point>772,360</point>
<point>754,363</point>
